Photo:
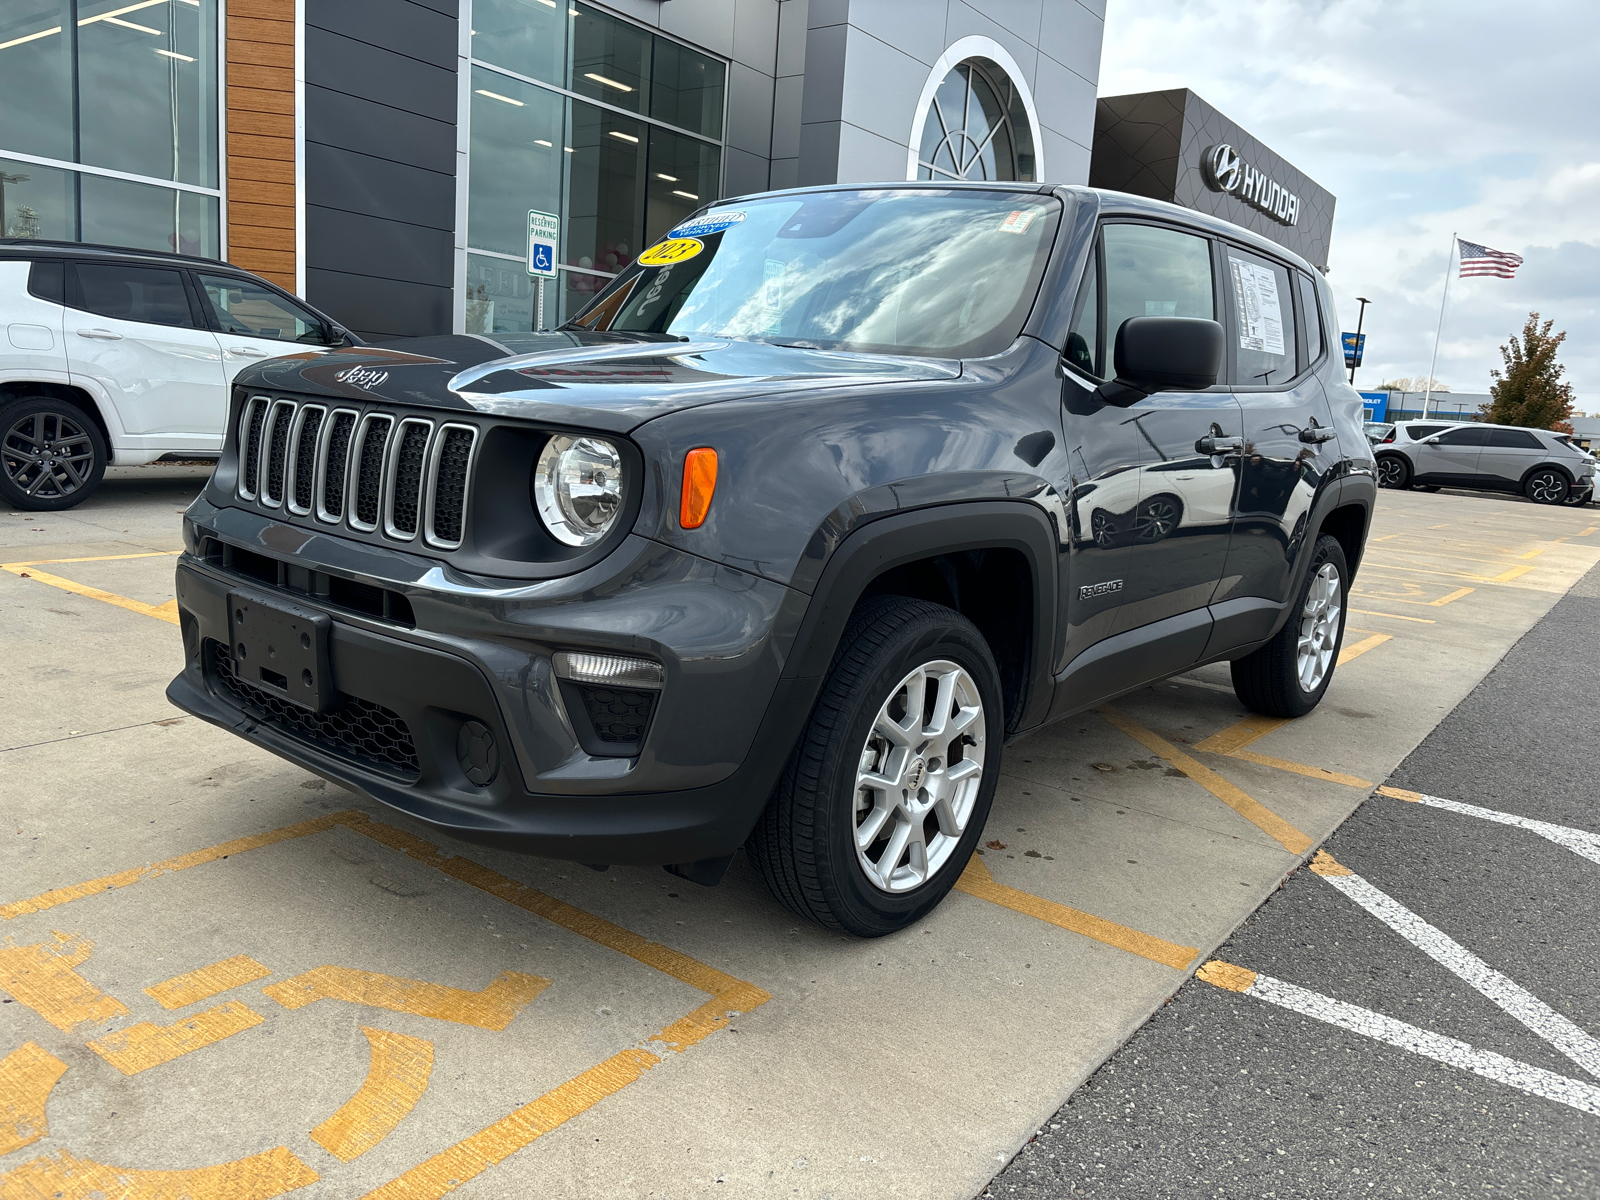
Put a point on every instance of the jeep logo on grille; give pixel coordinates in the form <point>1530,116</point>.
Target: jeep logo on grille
<point>1090,590</point>
<point>361,377</point>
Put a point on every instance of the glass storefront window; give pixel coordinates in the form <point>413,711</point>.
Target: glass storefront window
<point>118,212</point>
<point>37,202</point>
<point>618,179</point>
<point>147,80</point>
<point>36,78</point>
<point>518,147</point>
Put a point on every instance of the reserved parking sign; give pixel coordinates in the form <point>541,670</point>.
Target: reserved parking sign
<point>544,234</point>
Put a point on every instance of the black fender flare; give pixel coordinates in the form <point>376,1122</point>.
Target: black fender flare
<point>1340,493</point>
<point>1522,483</point>
<point>901,538</point>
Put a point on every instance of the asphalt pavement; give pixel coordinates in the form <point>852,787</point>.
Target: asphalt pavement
<point>1225,1093</point>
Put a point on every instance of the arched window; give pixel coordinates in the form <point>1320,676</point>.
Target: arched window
<point>976,126</point>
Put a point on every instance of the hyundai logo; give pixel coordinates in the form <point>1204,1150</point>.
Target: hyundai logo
<point>361,377</point>
<point>1223,167</point>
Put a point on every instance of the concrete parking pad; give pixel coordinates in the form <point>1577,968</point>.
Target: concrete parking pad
<point>458,1018</point>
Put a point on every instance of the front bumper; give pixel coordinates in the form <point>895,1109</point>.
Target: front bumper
<point>478,659</point>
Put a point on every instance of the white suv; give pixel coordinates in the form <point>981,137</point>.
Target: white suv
<point>126,356</point>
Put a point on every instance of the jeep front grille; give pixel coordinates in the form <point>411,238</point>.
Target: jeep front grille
<point>399,477</point>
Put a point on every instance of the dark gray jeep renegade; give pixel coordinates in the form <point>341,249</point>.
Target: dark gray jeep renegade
<point>827,497</point>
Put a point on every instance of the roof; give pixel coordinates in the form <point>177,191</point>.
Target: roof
<point>35,246</point>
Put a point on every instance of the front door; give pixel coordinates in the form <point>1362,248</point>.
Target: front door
<point>1507,456</point>
<point>1188,443</point>
<point>1289,444</point>
<point>254,322</point>
<point>131,330</point>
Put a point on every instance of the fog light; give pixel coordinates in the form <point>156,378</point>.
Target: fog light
<point>477,753</point>
<point>581,666</point>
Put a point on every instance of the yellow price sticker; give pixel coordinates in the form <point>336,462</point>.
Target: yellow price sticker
<point>673,250</point>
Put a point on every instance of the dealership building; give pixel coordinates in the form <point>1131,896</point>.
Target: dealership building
<point>382,157</point>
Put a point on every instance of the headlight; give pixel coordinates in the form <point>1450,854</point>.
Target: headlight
<point>577,487</point>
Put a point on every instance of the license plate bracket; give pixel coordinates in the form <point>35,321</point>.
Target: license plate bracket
<point>281,648</point>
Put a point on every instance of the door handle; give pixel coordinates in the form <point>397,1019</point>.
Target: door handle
<point>1314,434</point>
<point>247,352</point>
<point>102,335</point>
<point>1214,445</point>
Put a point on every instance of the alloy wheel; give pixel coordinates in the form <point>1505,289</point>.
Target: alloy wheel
<point>1319,628</point>
<point>1391,471</point>
<point>918,777</point>
<point>1547,488</point>
<point>47,455</point>
<point>1156,519</point>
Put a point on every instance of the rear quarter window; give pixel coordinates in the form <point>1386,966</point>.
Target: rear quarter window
<point>45,281</point>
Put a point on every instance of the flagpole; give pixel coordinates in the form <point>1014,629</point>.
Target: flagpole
<point>1428,394</point>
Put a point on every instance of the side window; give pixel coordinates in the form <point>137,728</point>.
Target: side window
<point>1467,435</point>
<point>1418,432</point>
<point>152,295</point>
<point>1313,337</point>
<point>247,309</point>
<point>1513,439</point>
<point>1263,320</point>
<point>46,281</point>
<point>1152,271</point>
<point>1083,342</point>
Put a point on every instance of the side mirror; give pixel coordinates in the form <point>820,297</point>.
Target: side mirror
<point>1156,354</point>
<point>1433,441</point>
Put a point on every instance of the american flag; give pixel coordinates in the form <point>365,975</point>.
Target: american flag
<point>1480,260</point>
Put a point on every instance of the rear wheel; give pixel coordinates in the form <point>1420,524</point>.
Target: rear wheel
<point>51,454</point>
<point>1290,674</point>
<point>1546,486</point>
<point>885,797</point>
<point>1393,471</point>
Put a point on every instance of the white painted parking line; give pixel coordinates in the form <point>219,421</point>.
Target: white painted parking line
<point>1579,841</point>
<point>1450,954</point>
<point>1584,1097</point>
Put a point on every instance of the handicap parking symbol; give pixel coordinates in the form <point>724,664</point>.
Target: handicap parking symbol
<point>543,257</point>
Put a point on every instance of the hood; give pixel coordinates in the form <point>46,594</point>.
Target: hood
<point>601,381</point>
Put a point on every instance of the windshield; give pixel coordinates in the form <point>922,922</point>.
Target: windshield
<point>947,273</point>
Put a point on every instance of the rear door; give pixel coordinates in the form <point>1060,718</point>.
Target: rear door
<point>1274,346</point>
<point>1450,457</point>
<point>1507,456</point>
<point>133,330</point>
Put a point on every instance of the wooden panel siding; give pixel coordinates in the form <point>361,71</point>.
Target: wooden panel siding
<point>261,166</point>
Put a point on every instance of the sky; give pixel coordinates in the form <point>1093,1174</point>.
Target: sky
<point>1423,117</point>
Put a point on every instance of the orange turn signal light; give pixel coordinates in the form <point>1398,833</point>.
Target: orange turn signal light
<point>699,482</point>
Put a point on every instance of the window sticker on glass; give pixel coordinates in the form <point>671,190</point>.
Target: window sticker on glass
<point>1160,308</point>
<point>1016,222</point>
<point>707,225</point>
<point>1255,290</point>
<point>673,250</point>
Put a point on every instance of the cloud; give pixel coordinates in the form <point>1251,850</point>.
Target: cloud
<point>1423,119</point>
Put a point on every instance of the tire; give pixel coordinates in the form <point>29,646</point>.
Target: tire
<point>805,844</point>
<point>1577,499</point>
<point>1546,486</point>
<point>1274,680</point>
<point>1393,471</point>
<point>52,455</point>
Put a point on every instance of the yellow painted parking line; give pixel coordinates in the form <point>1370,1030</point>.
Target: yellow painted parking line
<point>1361,647</point>
<point>44,975</point>
<point>1226,975</point>
<point>401,1067</point>
<point>1439,603</point>
<point>1252,810</point>
<point>145,1045</point>
<point>160,612</point>
<point>67,1177</point>
<point>47,562</point>
<point>495,1007</point>
<point>1587,531</point>
<point>206,982</point>
<point>1503,577</point>
<point>1367,612</point>
<point>1232,741</point>
<point>977,881</point>
<point>27,1076</point>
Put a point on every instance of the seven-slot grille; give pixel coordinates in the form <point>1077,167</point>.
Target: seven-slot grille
<point>405,476</point>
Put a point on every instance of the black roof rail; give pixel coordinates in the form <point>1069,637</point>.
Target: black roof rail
<point>101,248</point>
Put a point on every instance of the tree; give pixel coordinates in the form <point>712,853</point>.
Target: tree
<point>1529,391</point>
<point>1412,383</point>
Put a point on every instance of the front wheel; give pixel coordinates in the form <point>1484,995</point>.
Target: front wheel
<point>51,454</point>
<point>1290,674</point>
<point>886,794</point>
<point>1546,486</point>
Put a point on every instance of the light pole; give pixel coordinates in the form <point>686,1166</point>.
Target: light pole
<point>5,179</point>
<point>1356,357</point>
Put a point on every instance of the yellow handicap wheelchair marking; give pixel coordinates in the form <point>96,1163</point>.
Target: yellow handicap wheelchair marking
<point>46,978</point>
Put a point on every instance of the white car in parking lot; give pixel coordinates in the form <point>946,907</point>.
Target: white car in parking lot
<point>1537,463</point>
<point>126,357</point>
